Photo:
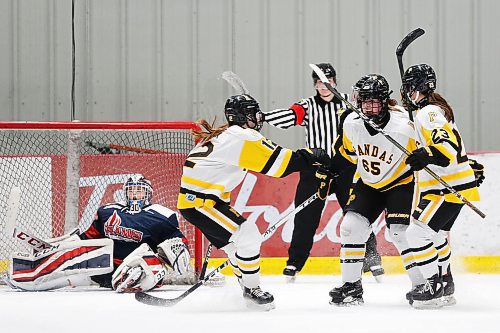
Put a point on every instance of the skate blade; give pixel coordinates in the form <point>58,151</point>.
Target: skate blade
<point>290,279</point>
<point>261,307</point>
<point>449,300</point>
<point>430,304</point>
<point>348,302</point>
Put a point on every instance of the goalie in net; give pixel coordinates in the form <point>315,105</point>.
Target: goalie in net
<point>130,246</point>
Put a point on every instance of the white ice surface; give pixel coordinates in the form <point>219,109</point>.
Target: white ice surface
<point>300,307</point>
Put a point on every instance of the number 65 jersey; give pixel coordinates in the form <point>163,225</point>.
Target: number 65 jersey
<point>214,168</point>
<point>380,164</point>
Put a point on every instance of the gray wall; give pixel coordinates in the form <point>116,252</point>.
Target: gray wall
<point>161,60</point>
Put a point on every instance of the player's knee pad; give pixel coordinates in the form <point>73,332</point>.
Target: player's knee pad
<point>141,270</point>
<point>354,229</point>
<point>397,233</point>
<point>419,234</point>
<point>57,267</point>
<point>248,239</point>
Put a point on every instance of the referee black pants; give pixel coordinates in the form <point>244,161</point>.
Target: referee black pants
<point>307,220</point>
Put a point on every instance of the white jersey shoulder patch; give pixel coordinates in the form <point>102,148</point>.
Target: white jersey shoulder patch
<point>246,134</point>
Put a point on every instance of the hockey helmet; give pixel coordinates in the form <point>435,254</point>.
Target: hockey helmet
<point>243,110</point>
<point>327,69</point>
<point>138,192</point>
<point>418,78</point>
<point>374,87</point>
<point>355,90</point>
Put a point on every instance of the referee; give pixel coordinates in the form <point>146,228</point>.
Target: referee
<point>322,116</point>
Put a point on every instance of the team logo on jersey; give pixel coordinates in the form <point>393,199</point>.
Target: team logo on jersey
<point>114,230</point>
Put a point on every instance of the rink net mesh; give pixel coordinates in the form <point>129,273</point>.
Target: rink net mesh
<point>65,174</point>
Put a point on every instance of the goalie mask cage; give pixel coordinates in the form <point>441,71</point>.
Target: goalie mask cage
<point>67,170</point>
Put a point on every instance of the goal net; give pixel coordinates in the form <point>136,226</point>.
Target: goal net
<point>67,170</point>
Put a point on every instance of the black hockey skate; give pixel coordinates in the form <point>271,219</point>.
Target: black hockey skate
<point>256,298</point>
<point>428,295</point>
<point>448,290</point>
<point>348,294</point>
<point>290,273</point>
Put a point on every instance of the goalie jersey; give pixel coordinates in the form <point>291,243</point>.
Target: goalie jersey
<point>433,130</point>
<point>215,167</point>
<point>380,164</point>
<point>152,225</point>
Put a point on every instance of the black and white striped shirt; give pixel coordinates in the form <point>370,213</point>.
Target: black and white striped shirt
<point>322,120</point>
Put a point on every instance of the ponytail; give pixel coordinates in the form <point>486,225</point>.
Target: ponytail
<point>438,100</point>
<point>209,132</point>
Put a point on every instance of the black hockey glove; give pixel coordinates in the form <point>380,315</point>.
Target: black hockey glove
<point>327,181</point>
<point>478,169</point>
<point>420,157</point>
<point>315,156</point>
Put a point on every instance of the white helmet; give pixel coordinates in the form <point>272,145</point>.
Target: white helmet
<point>138,192</point>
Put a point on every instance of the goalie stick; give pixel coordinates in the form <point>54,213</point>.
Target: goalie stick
<point>373,125</point>
<point>13,203</point>
<point>405,42</point>
<point>167,302</point>
<point>25,237</point>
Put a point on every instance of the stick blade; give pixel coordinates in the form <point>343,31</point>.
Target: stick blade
<point>319,72</point>
<point>235,82</point>
<point>412,35</point>
<point>155,301</point>
<point>13,203</point>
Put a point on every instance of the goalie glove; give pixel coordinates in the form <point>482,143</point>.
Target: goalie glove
<point>478,169</point>
<point>175,253</point>
<point>326,180</point>
<point>141,270</point>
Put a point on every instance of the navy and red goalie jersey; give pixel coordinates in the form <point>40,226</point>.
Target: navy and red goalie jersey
<point>152,225</point>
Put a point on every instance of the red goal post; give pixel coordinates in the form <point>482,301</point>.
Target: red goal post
<point>66,170</point>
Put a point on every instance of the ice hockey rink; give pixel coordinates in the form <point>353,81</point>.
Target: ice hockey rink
<point>300,307</point>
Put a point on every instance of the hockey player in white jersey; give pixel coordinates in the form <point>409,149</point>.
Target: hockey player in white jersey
<point>215,167</point>
<point>441,148</point>
<point>385,183</point>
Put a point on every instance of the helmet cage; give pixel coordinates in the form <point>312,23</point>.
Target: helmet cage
<point>137,184</point>
<point>374,87</point>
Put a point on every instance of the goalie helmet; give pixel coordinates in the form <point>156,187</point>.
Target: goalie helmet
<point>326,68</point>
<point>418,78</point>
<point>373,88</point>
<point>138,192</point>
<point>243,110</point>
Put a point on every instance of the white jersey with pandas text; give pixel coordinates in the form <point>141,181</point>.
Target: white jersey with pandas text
<point>214,168</point>
<point>433,129</point>
<point>380,164</point>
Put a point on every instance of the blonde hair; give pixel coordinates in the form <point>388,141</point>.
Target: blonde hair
<point>209,131</point>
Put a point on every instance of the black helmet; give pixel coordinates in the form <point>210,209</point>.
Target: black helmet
<point>374,87</point>
<point>421,78</point>
<point>355,90</point>
<point>327,69</point>
<point>240,109</point>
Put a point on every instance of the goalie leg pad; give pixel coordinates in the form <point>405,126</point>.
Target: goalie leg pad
<point>57,267</point>
<point>141,270</point>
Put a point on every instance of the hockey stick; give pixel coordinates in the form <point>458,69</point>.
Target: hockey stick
<point>410,38</point>
<point>13,203</point>
<point>167,302</point>
<point>205,262</point>
<point>373,125</point>
<point>235,81</point>
<point>106,149</point>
